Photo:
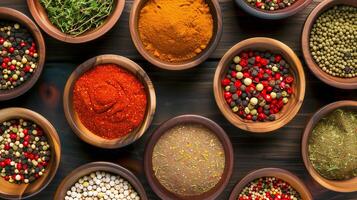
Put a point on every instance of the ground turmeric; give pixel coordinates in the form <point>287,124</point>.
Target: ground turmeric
<point>175,30</point>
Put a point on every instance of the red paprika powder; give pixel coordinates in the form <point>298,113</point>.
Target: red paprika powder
<point>110,101</point>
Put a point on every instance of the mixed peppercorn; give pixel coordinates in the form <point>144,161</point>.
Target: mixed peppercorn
<point>19,55</point>
<point>24,151</point>
<point>271,4</point>
<point>258,85</point>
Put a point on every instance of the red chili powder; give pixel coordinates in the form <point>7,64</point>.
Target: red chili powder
<point>110,101</point>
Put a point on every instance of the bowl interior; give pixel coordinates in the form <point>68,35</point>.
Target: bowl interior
<point>16,191</point>
<point>221,135</point>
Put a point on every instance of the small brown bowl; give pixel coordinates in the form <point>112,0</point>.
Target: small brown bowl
<point>342,83</point>
<point>22,191</point>
<point>162,192</point>
<point>289,110</point>
<point>16,16</point>
<point>216,37</point>
<point>284,175</point>
<point>73,119</point>
<point>39,13</point>
<point>86,169</point>
<point>335,185</point>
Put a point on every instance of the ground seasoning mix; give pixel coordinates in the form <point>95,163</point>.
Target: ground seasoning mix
<point>110,101</point>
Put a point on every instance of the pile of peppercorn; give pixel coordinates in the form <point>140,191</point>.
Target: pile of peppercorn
<point>24,151</point>
<point>19,55</point>
<point>257,85</point>
<point>271,4</point>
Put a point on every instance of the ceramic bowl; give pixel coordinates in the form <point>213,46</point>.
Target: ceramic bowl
<point>16,16</point>
<point>335,185</point>
<point>39,13</point>
<point>163,128</point>
<point>284,175</point>
<point>217,32</point>
<point>295,101</point>
<point>86,169</point>
<point>342,83</point>
<point>22,191</point>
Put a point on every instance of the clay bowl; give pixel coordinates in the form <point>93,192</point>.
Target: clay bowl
<point>161,130</point>
<point>86,169</point>
<point>22,191</point>
<point>284,175</point>
<point>216,37</point>
<point>16,16</point>
<point>39,13</point>
<point>73,119</point>
<point>335,185</point>
<point>342,83</point>
<point>295,101</point>
<point>296,7</point>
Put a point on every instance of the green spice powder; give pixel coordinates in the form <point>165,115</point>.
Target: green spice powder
<point>333,145</point>
<point>188,160</point>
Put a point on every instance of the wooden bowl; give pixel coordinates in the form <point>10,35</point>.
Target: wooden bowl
<point>73,118</point>
<point>335,185</point>
<point>16,16</point>
<point>296,7</point>
<point>163,128</point>
<point>39,13</point>
<point>86,169</point>
<point>284,175</point>
<point>342,83</point>
<point>216,37</point>
<point>289,110</point>
<point>22,191</point>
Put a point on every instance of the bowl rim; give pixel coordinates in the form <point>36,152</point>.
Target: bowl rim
<point>266,172</point>
<point>181,119</point>
<point>341,83</point>
<point>217,34</point>
<point>18,17</point>
<point>54,32</point>
<point>255,127</point>
<point>128,65</point>
<point>108,167</point>
<point>335,185</point>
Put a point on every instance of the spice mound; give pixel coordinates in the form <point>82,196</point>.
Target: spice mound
<point>24,151</point>
<point>269,188</point>
<point>110,101</point>
<point>188,160</point>
<point>257,85</point>
<point>175,30</point>
<point>332,146</point>
<point>19,57</point>
<point>271,5</point>
<point>333,41</point>
<point>102,185</point>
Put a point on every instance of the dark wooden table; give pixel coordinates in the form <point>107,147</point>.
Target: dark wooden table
<point>179,93</point>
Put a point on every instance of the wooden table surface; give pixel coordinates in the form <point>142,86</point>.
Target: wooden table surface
<point>186,92</point>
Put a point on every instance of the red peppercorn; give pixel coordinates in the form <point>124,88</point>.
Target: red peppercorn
<point>19,166</point>
<point>2,40</point>
<point>267,98</point>
<point>249,117</point>
<point>4,65</point>
<point>7,161</point>
<point>25,131</point>
<point>261,116</point>
<point>233,73</point>
<point>12,67</point>
<point>289,90</point>
<point>6,60</point>
<point>277,58</point>
<point>25,143</point>
<point>289,79</point>
<point>2,164</point>
<point>22,44</point>
<point>11,49</point>
<point>243,62</point>
<point>238,83</point>
<point>227,95</point>
<point>225,81</point>
<point>6,146</point>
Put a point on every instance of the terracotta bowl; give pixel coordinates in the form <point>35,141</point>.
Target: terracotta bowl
<point>16,16</point>
<point>39,13</point>
<point>163,128</point>
<point>73,119</point>
<point>342,83</point>
<point>295,101</point>
<point>22,191</point>
<point>296,7</point>
<point>284,175</point>
<point>216,37</point>
<point>86,169</point>
<point>335,185</point>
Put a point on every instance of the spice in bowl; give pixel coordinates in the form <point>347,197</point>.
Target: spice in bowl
<point>109,101</point>
<point>24,151</point>
<point>175,31</point>
<point>270,5</point>
<point>333,41</point>
<point>257,85</point>
<point>188,160</point>
<point>332,146</point>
